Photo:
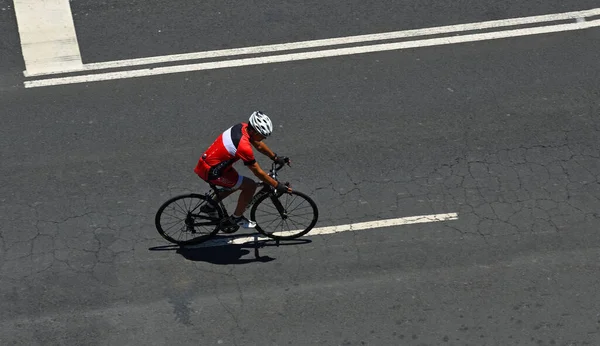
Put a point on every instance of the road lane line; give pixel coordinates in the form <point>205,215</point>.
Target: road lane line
<point>410,220</point>
<point>48,39</point>
<point>313,55</point>
<point>578,15</point>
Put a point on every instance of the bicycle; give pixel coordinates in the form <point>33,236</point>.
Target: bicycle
<point>272,211</point>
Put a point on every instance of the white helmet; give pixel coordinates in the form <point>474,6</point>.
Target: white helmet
<point>261,123</point>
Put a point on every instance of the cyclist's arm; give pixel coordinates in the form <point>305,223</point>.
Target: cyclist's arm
<point>264,149</point>
<point>262,175</point>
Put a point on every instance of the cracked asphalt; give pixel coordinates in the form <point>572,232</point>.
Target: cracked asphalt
<point>504,133</point>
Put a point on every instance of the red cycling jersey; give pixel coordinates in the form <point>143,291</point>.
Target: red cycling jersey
<point>215,165</point>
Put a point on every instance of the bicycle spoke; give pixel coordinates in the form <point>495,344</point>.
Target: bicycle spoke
<point>299,204</point>
<point>181,235</point>
<point>178,206</point>
<point>275,214</point>
<point>309,219</point>
<point>200,202</point>
<point>296,226</point>
<point>274,220</point>
<point>292,221</point>
<point>286,222</point>
<point>298,209</point>
<point>309,213</point>
<point>277,226</point>
<point>290,201</point>
<point>171,223</point>
<point>269,205</point>
<point>283,232</point>
<point>184,208</point>
<point>301,215</point>
<point>173,210</point>
<point>167,229</point>
<point>174,217</point>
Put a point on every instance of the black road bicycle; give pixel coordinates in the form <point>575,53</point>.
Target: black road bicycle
<point>278,215</point>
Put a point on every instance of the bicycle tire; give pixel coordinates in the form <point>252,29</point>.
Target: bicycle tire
<point>262,211</point>
<point>189,203</point>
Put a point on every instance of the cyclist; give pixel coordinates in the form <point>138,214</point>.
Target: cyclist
<point>216,165</point>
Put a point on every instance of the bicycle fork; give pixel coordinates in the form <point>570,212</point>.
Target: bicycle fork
<point>274,196</point>
<point>278,205</point>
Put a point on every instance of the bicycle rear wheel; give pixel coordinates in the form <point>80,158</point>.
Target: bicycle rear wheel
<point>288,216</point>
<point>180,221</point>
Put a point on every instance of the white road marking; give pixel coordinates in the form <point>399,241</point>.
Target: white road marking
<point>578,15</point>
<point>312,55</point>
<point>337,229</point>
<point>48,38</point>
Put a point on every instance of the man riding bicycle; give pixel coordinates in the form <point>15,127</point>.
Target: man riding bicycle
<point>216,165</point>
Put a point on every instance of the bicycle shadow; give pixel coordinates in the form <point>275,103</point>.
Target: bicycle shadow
<point>228,253</point>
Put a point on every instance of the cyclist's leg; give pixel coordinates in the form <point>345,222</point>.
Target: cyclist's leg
<point>228,180</point>
<point>231,179</point>
<point>248,187</point>
<point>221,195</point>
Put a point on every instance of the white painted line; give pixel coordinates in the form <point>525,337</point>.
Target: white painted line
<point>311,55</point>
<point>48,38</point>
<point>579,15</point>
<point>336,229</point>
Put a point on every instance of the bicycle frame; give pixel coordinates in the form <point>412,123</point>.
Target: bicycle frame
<point>264,190</point>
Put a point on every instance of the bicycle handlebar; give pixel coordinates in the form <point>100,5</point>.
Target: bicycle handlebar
<point>275,166</point>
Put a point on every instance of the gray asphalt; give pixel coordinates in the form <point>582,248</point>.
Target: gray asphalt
<point>112,30</point>
<point>505,133</point>
<point>11,60</point>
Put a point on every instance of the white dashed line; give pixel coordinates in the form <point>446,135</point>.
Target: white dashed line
<point>337,229</point>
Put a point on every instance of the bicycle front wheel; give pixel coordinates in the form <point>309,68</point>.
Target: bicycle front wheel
<point>180,221</point>
<point>288,216</point>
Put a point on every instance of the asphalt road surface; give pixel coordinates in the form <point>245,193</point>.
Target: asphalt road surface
<point>504,133</point>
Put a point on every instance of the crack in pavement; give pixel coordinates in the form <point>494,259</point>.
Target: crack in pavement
<point>504,191</point>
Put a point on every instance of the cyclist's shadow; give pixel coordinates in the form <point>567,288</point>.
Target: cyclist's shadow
<point>227,254</point>
<point>230,253</point>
